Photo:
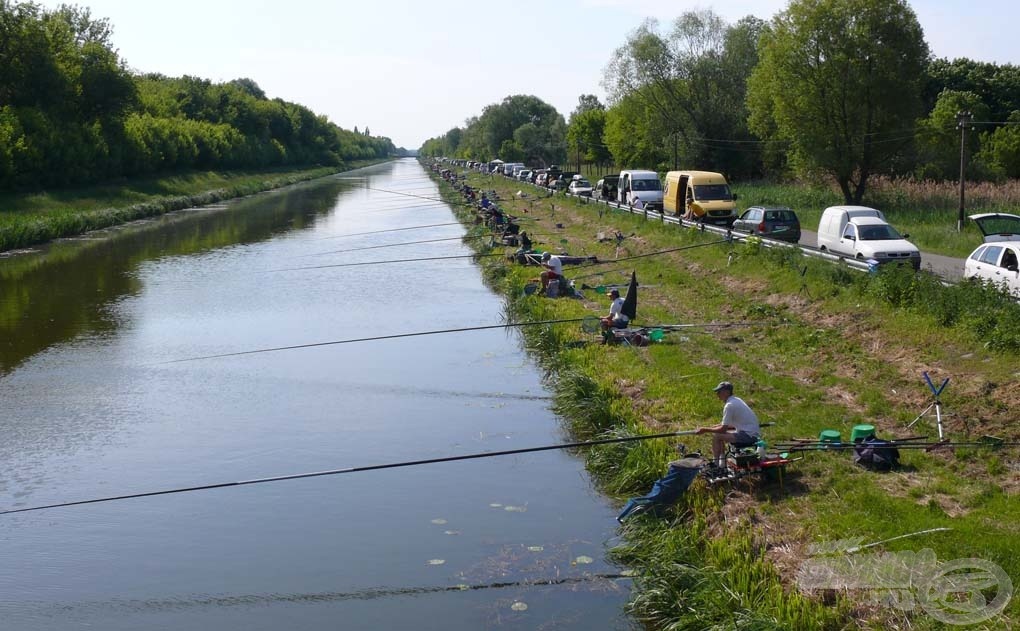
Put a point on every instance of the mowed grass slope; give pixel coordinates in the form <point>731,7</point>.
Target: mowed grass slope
<point>818,347</point>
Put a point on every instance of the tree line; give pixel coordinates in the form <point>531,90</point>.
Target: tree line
<point>845,89</point>
<point>71,113</point>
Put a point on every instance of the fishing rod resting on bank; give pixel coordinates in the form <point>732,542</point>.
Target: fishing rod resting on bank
<point>376,467</point>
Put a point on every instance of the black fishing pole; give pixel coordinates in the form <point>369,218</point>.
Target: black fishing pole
<point>361,234</point>
<point>383,190</point>
<point>895,445</point>
<point>376,338</point>
<point>363,263</point>
<point>371,593</point>
<point>376,467</point>
<point>464,237</point>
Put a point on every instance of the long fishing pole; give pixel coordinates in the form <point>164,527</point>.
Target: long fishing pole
<point>388,262</point>
<point>376,467</point>
<point>373,339</point>
<point>894,445</point>
<point>371,593</point>
<point>361,234</point>
<point>463,237</point>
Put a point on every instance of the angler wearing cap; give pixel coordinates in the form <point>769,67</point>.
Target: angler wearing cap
<point>553,269</point>
<point>616,318</point>
<point>739,425</point>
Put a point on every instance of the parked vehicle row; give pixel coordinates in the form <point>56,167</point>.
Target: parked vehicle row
<point>857,232</point>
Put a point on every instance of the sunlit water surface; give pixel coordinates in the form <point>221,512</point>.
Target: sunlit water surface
<point>91,409</point>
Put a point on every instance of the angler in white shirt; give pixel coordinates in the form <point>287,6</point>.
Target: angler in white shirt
<point>739,424</point>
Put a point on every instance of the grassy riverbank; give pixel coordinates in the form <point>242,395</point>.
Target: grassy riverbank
<point>30,219</point>
<point>824,348</point>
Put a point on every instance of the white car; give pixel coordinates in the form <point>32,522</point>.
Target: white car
<point>998,259</point>
<point>580,187</point>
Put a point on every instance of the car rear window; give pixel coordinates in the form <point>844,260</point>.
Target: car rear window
<point>780,215</point>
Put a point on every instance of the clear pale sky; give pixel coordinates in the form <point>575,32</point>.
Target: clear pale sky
<point>411,70</point>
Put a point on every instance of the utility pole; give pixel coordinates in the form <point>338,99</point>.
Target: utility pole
<point>676,163</point>
<point>962,121</point>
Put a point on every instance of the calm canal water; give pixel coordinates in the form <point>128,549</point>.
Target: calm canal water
<point>89,410</point>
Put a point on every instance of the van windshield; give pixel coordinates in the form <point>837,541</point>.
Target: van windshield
<point>646,185</point>
<point>878,233</point>
<point>712,192</point>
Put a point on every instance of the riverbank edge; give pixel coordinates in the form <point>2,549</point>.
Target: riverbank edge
<point>711,565</point>
<point>32,229</point>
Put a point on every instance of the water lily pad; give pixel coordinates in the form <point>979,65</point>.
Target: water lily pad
<point>437,561</point>
<point>584,560</point>
<point>439,521</point>
<point>519,606</point>
<point>535,548</point>
<point>516,509</point>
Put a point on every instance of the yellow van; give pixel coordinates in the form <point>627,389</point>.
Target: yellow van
<point>700,196</point>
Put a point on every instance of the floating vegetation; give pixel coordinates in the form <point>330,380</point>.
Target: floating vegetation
<point>583,560</point>
<point>519,606</point>
<point>439,521</point>
<point>629,572</point>
<point>437,561</point>
<point>516,509</point>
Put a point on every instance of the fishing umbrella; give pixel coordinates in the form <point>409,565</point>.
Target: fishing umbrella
<point>630,302</point>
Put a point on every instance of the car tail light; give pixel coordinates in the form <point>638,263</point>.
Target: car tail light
<point>761,227</point>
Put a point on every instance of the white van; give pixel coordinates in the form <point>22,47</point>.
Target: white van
<point>644,185</point>
<point>863,233</point>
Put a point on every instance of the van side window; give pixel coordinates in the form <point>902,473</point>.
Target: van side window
<point>849,232</point>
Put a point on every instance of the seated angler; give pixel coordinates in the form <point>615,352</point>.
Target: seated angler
<point>739,426</point>
<point>553,269</point>
<point>616,318</point>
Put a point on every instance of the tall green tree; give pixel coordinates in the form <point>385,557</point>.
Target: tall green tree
<point>938,137</point>
<point>1000,149</point>
<point>586,131</point>
<point>635,133</point>
<point>693,77</point>
<point>840,82</point>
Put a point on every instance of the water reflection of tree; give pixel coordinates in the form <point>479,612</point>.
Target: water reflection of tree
<point>67,289</point>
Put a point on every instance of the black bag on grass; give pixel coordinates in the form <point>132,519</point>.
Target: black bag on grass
<point>876,455</point>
